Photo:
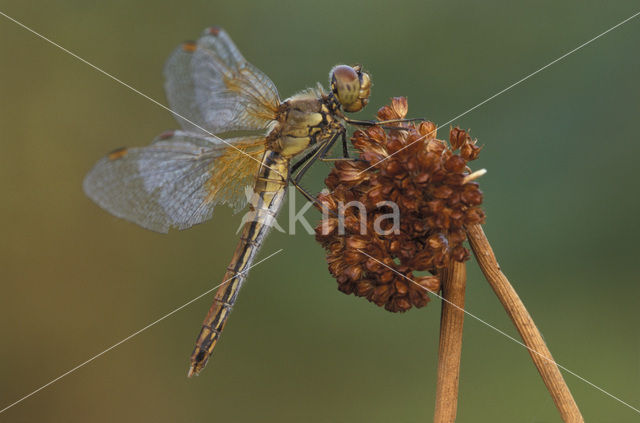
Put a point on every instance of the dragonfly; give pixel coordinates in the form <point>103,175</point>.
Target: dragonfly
<point>177,180</point>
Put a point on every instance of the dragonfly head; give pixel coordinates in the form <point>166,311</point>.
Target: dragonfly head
<point>351,86</point>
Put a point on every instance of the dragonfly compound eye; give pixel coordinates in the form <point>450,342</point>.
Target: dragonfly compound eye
<point>345,85</point>
<point>351,86</point>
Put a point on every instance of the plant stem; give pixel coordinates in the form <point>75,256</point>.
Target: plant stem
<point>454,279</point>
<point>524,323</point>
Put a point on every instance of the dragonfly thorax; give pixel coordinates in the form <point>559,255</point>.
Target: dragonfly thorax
<point>304,120</point>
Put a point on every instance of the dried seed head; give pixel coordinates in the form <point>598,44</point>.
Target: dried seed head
<point>436,198</point>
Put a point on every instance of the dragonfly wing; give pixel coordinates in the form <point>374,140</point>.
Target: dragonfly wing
<point>174,182</point>
<point>211,84</point>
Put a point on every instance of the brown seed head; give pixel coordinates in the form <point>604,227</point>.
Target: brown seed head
<point>425,178</point>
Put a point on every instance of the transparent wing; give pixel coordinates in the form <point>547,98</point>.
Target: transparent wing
<point>176,181</point>
<point>212,85</point>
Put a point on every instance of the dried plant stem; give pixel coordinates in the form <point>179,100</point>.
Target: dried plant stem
<point>454,279</point>
<point>524,323</point>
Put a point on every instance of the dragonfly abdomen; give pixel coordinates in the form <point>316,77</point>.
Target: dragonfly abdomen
<point>268,196</point>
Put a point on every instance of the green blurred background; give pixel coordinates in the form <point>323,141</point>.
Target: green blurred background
<point>561,198</point>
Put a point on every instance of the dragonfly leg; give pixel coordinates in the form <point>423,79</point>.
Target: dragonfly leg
<point>305,193</point>
<point>305,163</point>
<point>340,159</point>
<point>311,198</point>
<point>383,123</point>
<point>300,162</point>
<point>345,150</point>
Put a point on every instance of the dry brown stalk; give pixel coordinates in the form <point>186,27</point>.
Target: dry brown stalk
<point>524,323</point>
<point>454,279</point>
<point>436,193</point>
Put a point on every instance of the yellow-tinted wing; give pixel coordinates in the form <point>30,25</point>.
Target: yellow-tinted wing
<point>212,85</point>
<point>176,181</point>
